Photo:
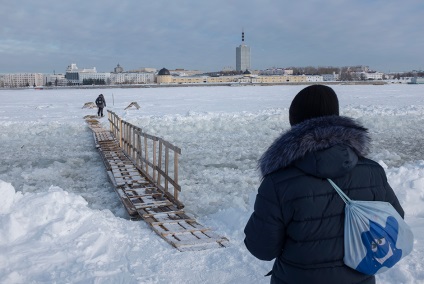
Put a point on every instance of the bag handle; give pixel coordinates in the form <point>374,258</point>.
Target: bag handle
<point>344,197</point>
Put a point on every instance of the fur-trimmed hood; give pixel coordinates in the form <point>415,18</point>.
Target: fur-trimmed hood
<point>314,135</point>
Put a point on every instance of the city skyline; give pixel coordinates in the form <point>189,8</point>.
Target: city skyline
<point>48,36</point>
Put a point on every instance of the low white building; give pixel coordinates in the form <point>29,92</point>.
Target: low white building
<point>372,75</point>
<point>276,71</point>
<point>331,77</point>
<point>417,80</point>
<point>55,80</point>
<point>183,72</point>
<point>314,78</point>
<point>132,78</point>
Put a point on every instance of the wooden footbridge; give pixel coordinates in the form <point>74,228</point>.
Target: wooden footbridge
<point>140,167</point>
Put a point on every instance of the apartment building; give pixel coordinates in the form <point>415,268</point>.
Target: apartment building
<point>19,80</point>
<point>132,78</point>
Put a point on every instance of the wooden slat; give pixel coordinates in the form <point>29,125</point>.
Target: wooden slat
<point>154,214</point>
<point>172,147</point>
<point>178,227</point>
<point>171,222</point>
<point>152,204</point>
<point>185,239</point>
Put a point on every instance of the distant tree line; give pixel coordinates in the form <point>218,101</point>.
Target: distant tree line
<point>346,73</point>
<point>310,70</point>
<point>93,82</point>
<point>409,74</point>
<point>223,73</point>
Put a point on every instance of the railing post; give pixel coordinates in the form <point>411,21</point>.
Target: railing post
<point>175,174</point>
<point>133,144</point>
<point>120,132</point>
<point>146,154</point>
<point>166,167</point>
<point>154,159</point>
<point>127,134</point>
<point>109,117</point>
<point>115,127</point>
<point>159,161</point>
<point>140,150</point>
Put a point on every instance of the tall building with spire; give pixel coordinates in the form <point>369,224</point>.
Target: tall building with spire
<point>242,55</point>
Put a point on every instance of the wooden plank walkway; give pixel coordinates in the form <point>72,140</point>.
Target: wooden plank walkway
<point>143,200</point>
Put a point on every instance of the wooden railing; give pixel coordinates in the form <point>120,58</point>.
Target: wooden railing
<point>156,158</point>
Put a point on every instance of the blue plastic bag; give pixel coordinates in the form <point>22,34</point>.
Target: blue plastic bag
<point>375,236</point>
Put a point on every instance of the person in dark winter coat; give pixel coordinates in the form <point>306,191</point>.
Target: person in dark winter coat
<point>101,103</point>
<point>298,217</point>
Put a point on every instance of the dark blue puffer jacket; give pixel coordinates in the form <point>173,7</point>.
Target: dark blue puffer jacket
<point>298,217</point>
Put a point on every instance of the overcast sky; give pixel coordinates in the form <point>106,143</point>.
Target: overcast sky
<point>48,35</point>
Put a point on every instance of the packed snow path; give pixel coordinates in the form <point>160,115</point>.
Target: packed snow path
<point>143,199</point>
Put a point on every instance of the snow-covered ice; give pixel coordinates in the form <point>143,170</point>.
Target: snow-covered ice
<point>61,221</point>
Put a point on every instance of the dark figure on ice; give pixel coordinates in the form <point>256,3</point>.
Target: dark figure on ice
<point>298,217</point>
<point>101,103</point>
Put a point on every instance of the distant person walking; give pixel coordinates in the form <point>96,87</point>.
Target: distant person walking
<point>101,103</point>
